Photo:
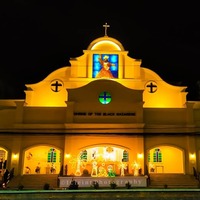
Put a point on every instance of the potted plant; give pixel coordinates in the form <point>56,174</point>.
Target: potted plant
<point>73,185</point>
<point>46,186</point>
<point>128,185</point>
<point>165,186</point>
<point>95,184</point>
<point>113,185</point>
<point>20,187</point>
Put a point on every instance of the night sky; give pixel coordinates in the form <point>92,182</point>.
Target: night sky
<point>40,36</point>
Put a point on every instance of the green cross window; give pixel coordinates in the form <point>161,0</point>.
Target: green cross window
<point>105,98</point>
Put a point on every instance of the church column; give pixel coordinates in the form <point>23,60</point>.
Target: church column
<point>90,66</point>
<point>121,67</point>
<point>140,152</point>
<point>190,113</point>
<point>16,154</point>
<point>190,155</point>
<point>136,68</point>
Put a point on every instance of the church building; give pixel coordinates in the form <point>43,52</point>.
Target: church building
<point>103,115</point>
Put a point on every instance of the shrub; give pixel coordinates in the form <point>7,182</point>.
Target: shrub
<point>73,185</point>
<point>46,186</point>
<point>95,184</point>
<point>113,185</point>
<point>20,187</point>
<point>128,185</point>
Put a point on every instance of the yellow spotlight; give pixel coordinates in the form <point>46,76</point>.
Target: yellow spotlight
<point>15,156</point>
<point>140,155</point>
<point>192,156</point>
<point>67,155</point>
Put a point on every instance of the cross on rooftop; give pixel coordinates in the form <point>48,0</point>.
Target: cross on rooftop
<point>106,26</point>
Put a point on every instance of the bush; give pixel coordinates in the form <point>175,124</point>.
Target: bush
<point>20,187</point>
<point>95,185</point>
<point>128,185</point>
<point>113,185</point>
<point>46,186</point>
<point>73,185</point>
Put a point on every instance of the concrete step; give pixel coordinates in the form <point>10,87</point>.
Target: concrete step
<point>34,181</point>
<point>173,181</point>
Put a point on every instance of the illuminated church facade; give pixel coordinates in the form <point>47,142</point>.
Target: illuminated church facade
<point>104,114</point>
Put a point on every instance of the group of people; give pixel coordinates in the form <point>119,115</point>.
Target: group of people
<point>7,176</point>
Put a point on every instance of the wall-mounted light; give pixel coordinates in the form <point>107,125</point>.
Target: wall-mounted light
<point>140,155</point>
<point>67,155</point>
<point>192,157</point>
<point>15,156</point>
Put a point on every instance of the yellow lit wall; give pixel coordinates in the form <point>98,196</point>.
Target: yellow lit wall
<point>37,156</point>
<point>172,160</point>
<point>130,74</point>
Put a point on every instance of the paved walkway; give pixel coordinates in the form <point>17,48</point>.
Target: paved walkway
<point>99,194</point>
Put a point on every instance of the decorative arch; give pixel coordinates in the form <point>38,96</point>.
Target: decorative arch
<point>100,160</point>
<point>42,159</point>
<point>3,160</point>
<point>165,159</point>
<point>106,43</point>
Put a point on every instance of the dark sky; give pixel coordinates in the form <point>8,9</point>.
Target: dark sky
<point>39,36</point>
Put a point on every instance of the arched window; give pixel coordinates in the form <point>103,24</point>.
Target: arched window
<point>83,156</point>
<point>157,155</point>
<point>51,155</point>
<point>125,156</point>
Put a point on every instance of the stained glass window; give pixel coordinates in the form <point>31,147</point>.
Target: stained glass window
<point>83,155</point>
<point>111,66</point>
<point>105,98</point>
<point>52,155</point>
<point>157,155</point>
<point>125,156</point>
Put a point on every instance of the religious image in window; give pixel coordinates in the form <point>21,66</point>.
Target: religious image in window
<point>105,66</point>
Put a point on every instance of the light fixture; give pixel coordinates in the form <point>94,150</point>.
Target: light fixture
<point>15,156</point>
<point>192,156</point>
<point>140,155</point>
<point>67,155</point>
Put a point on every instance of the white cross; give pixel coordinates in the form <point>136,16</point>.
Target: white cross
<point>106,26</point>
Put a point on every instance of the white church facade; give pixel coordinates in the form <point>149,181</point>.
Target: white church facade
<point>103,115</point>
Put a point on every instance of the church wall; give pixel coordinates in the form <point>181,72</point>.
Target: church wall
<point>29,140</point>
<point>185,142</point>
<point>173,116</point>
<point>12,142</point>
<point>163,98</point>
<point>153,140</point>
<point>197,117</point>
<point>44,96</point>
<point>79,66</point>
<point>131,68</point>
<point>46,115</point>
<point>16,144</point>
<point>197,142</point>
<point>73,144</point>
<point>7,117</point>
<point>53,115</point>
<point>67,101</point>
